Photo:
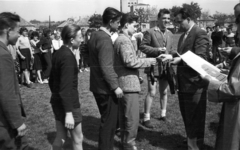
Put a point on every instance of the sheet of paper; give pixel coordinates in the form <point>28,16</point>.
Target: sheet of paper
<point>202,66</point>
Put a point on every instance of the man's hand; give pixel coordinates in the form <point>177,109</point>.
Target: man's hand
<point>162,49</point>
<point>225,71</point>
<point>44,51</point>
<point>165,57</point>
<point>69,120</point>
<point>176,60</point>
<point>119,92</point>
<point>22,130</point>
<point>22,57</point>
<point>153,61</point>
<point>225,51</point>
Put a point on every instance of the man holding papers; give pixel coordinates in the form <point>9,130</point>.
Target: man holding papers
<point>228,135</point>
<point>192,95</point>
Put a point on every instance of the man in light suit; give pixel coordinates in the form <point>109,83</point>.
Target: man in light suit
<point>12,127</point>
<point>192,92</point>
<point>157,40</point>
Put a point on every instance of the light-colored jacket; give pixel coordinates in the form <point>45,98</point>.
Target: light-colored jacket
<point>228,136</point>
<point>126,64</point>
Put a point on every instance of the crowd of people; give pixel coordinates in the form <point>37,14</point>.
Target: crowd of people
<point>114,54</point>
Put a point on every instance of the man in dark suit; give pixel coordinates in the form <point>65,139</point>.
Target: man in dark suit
<point>12,127</point>
<point>192,93</point>
<point>156,41</point>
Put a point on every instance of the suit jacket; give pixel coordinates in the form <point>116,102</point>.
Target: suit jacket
<point>228,136</point>
<point>152,40</point>
<point>63,81</point>
<point>197,41</point>
<point>103,79</point>
<point>126,64</point>
<point>11,108</point>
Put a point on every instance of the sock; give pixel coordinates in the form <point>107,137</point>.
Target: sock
<point>163,113</point>
<point>146,116</point>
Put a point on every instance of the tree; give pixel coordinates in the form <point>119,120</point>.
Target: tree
<point>142,14</point>
<point>95,21</point>
<point>205,15</point>
<point>35,21</point>
<point>195,9</point>
<point>174,11</point>
<point>220,17</point>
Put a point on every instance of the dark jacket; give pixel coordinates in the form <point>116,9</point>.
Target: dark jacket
<point>45,43</point>
<point>228,135</point>
<point>217,38</point>
<point>153,39</point>
<point>11,108</point>
<point>63,81</point>
<point>103,79</point>
<point>197,41</point>
<point>126,64</point>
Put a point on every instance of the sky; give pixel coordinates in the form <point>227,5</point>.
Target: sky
<point>62,9</point>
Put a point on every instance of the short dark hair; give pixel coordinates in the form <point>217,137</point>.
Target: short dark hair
<point>209,28</point>
<point>46,31</point>
<point>186,13</point>
<point>110,14</point>
<point>128,18</point>
<point>163,11</point>
<point>22,29</point>
<point>8,20</point>
<point>34,33</point>
<point>236,6</point>
<point>68,32</point>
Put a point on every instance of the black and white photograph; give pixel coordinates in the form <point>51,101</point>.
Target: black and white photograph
<point>119,74</point>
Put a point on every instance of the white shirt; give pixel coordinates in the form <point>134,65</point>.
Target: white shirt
<point>57,44</point>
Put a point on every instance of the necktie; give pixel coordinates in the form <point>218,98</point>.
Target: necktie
<point>184,38</point>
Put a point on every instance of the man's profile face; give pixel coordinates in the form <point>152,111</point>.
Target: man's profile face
<point>182,22</point>
<point>13,35</point>
<point>164,20</point>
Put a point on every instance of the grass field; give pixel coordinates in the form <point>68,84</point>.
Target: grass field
<point>165,136</point>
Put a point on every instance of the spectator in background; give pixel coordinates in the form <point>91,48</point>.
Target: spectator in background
<point>103,79</point>
<point>37,56</point>
<point>84,50</point>
<point>63,84</point>
<point>45,45</point>
<point>217,41</point>
<point>12,114</point>
<point>229,38</point>
<point>209,49</point>
<point>57,41</point>
<point>25,53</point>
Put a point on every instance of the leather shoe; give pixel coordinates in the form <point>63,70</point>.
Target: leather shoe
<point>147,124</point>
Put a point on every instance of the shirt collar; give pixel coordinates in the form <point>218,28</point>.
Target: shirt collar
<point>190,29</point>
<point>156,28</point>
<point>105,30</point>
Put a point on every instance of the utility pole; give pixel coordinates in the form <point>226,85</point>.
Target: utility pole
<point>121,5</point>
<point>49,22</point>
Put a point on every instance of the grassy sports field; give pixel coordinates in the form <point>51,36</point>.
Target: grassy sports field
<point>165,136</point>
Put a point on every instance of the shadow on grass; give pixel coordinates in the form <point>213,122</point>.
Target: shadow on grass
<point>157,139</point>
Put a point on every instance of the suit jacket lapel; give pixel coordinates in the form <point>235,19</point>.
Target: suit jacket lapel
<point>157,35</point>
<point>187,40</point>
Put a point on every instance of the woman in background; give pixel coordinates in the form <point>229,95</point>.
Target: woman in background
<point>37,56</point>
<point>25,53</point>
<point>57,42</point>
<point>45,45</point>
<point>63,83</point>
